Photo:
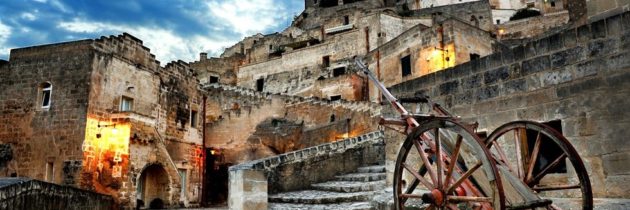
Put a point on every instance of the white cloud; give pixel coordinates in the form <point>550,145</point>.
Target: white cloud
<point>28,16</point>
<point>41,1</point>
<point>5,33</point>
<point>165,44</point>
<point>60,6</point>
<point>247,17</point>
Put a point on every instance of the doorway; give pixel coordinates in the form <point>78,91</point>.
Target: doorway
<point>153,187</point>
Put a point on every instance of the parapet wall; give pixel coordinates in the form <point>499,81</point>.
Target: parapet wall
<point>23,193</point>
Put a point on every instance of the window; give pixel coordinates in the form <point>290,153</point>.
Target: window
<point>214,79</point>
<point>126,104</point>
<point>405,64</point>
<point>498,21</point>
<point>553,3</point>
<point>50,172</point>
<point>193,118</point>
<point>549,151</point>
<point>339,71</point>
<point>332,118</point>
<point>326,61</point>
<point>335,98</point>
<point>474,56</point>
<point>314,1</point>
<point>260,84</point>
<point>182,173</point>
<point>346,20</point>
<point>46,89</point>
<point>270,48</point>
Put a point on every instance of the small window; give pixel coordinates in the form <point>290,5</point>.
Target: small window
<point>314,1</point>
<point>405,64</point>
<point>126,104</point>
<point>474,56</point>
<point>335,98</point>
<point>339,71</point>
<point>346,20</point>
<point>326,61</point>
<point>182,175</point>
<point>553,3</point>
<point>193,118</point>
<point>549,151</point>
<point>498,21</point>
<point>46,94</point>
<point>270,48</point>
<point>214,79</point>
<point>260,84</point>
<point>50,172</point>
<point>332,118</point>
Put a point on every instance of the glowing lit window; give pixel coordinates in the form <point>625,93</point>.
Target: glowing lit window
<point>126,104</point>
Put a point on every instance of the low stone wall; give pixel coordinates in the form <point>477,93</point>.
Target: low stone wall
<point>250,182</point>
<point>22,193</point>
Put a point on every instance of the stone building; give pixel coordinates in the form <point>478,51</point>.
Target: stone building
<point>104,115</point>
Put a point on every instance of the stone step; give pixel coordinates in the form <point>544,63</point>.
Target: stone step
<point>346,186</point>
<point>319,197</point>
<point>372,169</point>
<point>365,177</point>
<point>339,206</point>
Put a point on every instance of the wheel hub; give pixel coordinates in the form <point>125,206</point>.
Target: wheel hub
<point>435,197</point>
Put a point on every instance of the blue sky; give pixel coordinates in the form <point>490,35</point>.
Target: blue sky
<point>171,29</point>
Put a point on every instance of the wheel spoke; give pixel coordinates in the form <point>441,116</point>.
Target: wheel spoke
<point>463,178</point>
<point>519,135</point>
<point>410,196</point>
<point>544,172</point>
<point>425,160</point>
<point>418,177</point>
<point>559,187</point>
<point>438,154</point>
<point>459,199</point>
<point>453,160</point>
<point>533,158</point>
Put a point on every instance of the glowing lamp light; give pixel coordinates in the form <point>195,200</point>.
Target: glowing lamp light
<point>212,152</point>
<point>501,31</point>
<point>114,131</point>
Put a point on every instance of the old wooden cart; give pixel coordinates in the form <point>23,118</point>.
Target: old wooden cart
<point>444,164</point>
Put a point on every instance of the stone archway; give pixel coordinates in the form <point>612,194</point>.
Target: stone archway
<point>154,186</point>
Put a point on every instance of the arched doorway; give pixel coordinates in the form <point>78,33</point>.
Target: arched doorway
<point>153,187</point>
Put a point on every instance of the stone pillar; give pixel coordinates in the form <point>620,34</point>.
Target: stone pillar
<point>248,189</point>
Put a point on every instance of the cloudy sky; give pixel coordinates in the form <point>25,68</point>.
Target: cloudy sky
<point>172,29</point>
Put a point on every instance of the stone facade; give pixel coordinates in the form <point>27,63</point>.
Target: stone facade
<point>112,112</point>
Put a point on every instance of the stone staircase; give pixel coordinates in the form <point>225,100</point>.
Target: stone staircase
<point>355,106</point>
<point>348,191</point>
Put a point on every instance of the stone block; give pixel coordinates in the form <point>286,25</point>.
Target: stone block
<point>518,53</point>
<point>584,33</point>
<point>463,98</point>
<point>495,75</point>
<point>542,45</point>
<point>569,37</point>
<point>617,186</point>
<point>473,81</point>
<point>450,87</point>
<point>510,103</point>
<point>507,56</point>
<point>513,86</point>
<point>589,68</point>
<point>567,56</point>
<point>534,65</point>
<point>618,61</point>
<point>535,113</point>
<point>556,77</point>
<point>617,163</point>
<point>555,42</point>
<point>598,29</point>
<point>602,47</point>
<point>487,92</point>
<point>614,25</point>
<point>494,60</point>
<point>530,50</point>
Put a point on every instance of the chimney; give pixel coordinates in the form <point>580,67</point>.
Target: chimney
<point>203,56</point>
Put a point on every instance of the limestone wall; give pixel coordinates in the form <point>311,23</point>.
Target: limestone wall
<point>45,140</point>
<point>579,76</point>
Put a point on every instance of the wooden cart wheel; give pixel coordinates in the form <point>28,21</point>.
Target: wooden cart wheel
<point>452,170</point>
<point>534,153</point>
